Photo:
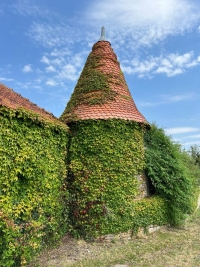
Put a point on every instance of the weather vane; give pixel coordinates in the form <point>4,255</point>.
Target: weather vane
<point>103,34</point>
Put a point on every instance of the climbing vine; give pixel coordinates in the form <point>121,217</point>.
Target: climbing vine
<point>93,87</point>
<point>104,159</point>
<point>149,211</point>
<point>32,185</point>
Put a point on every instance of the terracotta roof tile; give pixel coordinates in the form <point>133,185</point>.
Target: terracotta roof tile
<point>13,100</point>
<point>122,106</point>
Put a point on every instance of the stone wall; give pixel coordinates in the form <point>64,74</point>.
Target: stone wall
<point>143,189</point>
<point>127,236</point>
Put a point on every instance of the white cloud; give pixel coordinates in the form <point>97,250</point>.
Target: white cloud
<point>45,60</point>
<point>150,104</point>
<point>6,79</point>
<point>50,69</point>
<point>61,52</point>
<point>180,130</point>
<point>60,67</point>
<point>144,22</point>
<point>127,69</point>
<point>178,98</point>
<point>130,26</point>
<point>170,65</point>
<point>77,60</point>
<point>51,35</point>
<point>58,61</point>
<point>194,136</point>
<point>68,72</point>
<point>191,143</point>
<point>27,68</point>
<point>66,68</point>
<point>38,71</point>
<point>169,99</point>
<point>51,83</point>
<point>28,85</point>
<point>38,80</point>
<point>29,8</point>
<point>169,72</point>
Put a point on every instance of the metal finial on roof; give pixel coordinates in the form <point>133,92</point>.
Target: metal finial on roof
<point>103,34</point>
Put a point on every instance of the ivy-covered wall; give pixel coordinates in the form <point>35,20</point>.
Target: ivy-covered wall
<point>104,158</point>
<point>84,181</point>
<point>33,208</point>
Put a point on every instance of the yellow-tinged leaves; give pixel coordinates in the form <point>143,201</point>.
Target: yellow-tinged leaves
<point>32,173</point>
<point>105,157</point>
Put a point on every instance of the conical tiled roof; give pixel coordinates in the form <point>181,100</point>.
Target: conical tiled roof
<point>101,91</point>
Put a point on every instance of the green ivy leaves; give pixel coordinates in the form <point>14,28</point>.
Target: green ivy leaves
<point>166,166</point>
<point>104,158</point>
<point>93,87</point>
<point>32,177</point>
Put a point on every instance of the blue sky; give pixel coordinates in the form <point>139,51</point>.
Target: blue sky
<point>44,45</point>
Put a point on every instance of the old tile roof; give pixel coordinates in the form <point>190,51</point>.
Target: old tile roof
<point>13,100</point>
<point>121,106</point>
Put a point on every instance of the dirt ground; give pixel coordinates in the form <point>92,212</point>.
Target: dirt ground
<point>165,248</point>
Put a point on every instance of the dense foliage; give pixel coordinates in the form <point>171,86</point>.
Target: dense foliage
<point>101,193</point>
<point>171,173</point>
<point>193,171</point>
<point>149,211</point>
<point>104,159</point>
<point>195,154</point>
<point>32,183</point>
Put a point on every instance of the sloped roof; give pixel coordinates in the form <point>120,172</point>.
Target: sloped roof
<point>13,100</point>
<point>101,91</point>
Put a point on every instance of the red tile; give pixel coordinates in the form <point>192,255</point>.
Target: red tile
<point>13,100</point>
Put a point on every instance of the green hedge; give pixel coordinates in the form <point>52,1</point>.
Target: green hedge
<point>172,174</point>
<point>32,185</point>
<point>104,159</point>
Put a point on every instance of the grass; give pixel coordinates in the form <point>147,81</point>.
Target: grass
<point>166,248</point>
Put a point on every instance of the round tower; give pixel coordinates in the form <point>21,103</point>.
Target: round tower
<point>106,152</point>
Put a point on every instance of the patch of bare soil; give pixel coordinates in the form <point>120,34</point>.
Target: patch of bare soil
<point>71,251</point>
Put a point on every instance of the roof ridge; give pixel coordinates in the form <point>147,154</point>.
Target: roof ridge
<point>11,99</point>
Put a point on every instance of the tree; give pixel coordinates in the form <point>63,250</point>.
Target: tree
<point>172,172</point>
<point>195,153</point>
